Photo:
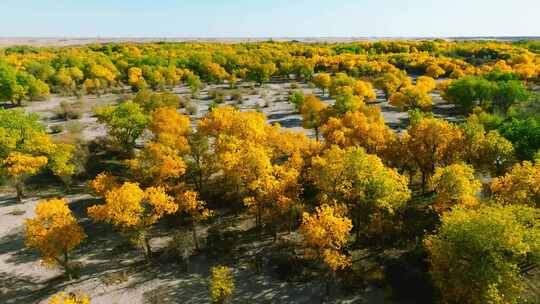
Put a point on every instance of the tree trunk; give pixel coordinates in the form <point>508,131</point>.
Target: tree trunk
<point>19,189</point>
<point>329,281</point>
<point>424,182</point>
<point>147,248</point>
<point>194,233</point>
<point>67,268</point>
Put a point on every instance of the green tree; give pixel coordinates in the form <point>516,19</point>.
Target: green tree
<point>481,255</point>
<point>125,123</point>
<point>524,135</point>
<point>150,101</point>
<point>261,72</point>
<point>297,99</point>
<point>195,84</point>
<point>10,89</point>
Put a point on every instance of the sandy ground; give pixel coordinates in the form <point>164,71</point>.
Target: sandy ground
<point>24,280</point>
<point>275,94</point>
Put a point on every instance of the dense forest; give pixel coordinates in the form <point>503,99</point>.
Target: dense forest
<point>438,211</point>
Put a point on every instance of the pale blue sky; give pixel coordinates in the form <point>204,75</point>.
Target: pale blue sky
<point>268,18</point>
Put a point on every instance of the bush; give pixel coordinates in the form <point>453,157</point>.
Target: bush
<point>217,95</point>
<point>180,247</point>
<point>68,110</point>
<point>191,108</point>
<point>75,127</point>
<point>212,106</point>
<point>221,284</point>
<point>237,96</point>
<point>297,99</point>
<point>56,129</point>
<point>220,241</point>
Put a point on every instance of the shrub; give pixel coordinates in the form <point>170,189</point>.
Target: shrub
<point>212,106</point>
<point>74,127</point>
<point>297,99</point>
<point>180,247</point>
<point>55,129</point>
<point>217,95</point>
<point>221,284</point>
<point>68,110</point>
<point>191,108</point>
<point>237,96</point>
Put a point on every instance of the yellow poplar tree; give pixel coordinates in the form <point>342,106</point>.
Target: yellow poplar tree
<point>19,166</point>
<point>54,232</point>
<point>433,142</point>
<point>322,81</point>
<point>314,113</point>
<point>361,181</point>
<point>519,186</point>
<point>189,203</point>
<point>325,234</point>
<point>455,184</point>
<point>134,211</point>
<point>365,128</point>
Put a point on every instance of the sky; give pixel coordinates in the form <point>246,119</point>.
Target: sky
<point>269,18</point>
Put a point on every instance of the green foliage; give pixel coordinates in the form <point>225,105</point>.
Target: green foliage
<point>20,131</point>
<point>297,99</point>
<point>194,83</point>
<point>524,135</point>
<point>478,91</point>
<point>477,256</point>
<point>347,102</point>
<point>125,122</point>
<point>416,115</point>
<point>150,101</point>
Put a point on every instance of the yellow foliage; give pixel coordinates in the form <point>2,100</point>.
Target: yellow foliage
<point>359,180</point>
<point>519,186</point>
<point>364,89</point>
<point>412,97</point>
<point>60,160</point>
<point>221,284</point>
<point>103,183</point>
<point>325,233</point>
<point>230,121</point>
<point>157,163</point>
<point>365,128</point>
<point>18,164</point>
<point>314,113</point>
<point>433,142</point>
<point>171,128</point>
<point>426,83</point>
<point>54,231</point>
<point>435,71</point>
<point>129,207</point>
<point>189,203</point>
<point>322,81</point>
<point>63,298</point>
<point>455,184</point>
